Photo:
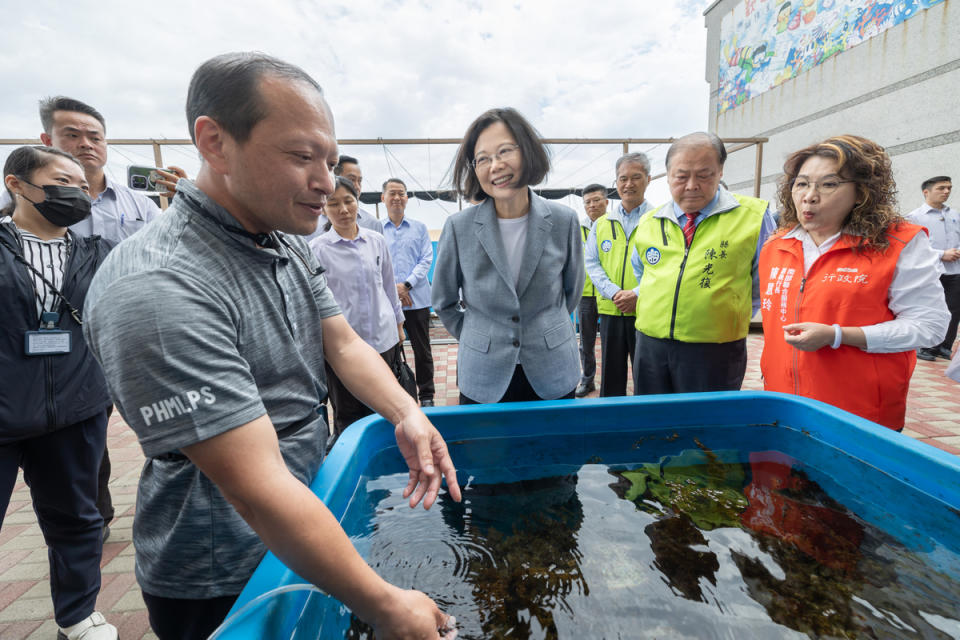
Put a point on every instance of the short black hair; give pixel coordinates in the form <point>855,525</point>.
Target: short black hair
<point>397,180</point>
<point>62,103</point>
<point>695,140</point>
<point>23,162</point>
<point>533,153</point>
<point>342,160</point>
<point>929,182</point>
<point>348,185</point>
<point>227,89</point>
<point>593,188</point>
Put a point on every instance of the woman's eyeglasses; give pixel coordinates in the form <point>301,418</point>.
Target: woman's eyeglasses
<point>506,152</point>
<point>824,187</point>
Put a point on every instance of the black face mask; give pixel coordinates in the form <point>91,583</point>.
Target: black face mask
<point>63,205</point>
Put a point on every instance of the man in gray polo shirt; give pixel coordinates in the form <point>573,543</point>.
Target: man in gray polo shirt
<point>212,325</point>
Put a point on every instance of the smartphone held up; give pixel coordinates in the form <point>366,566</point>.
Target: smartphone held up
<point>142,178</point>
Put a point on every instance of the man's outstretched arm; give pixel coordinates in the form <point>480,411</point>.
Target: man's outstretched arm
<point>367,376</point>
<point>246,465</point>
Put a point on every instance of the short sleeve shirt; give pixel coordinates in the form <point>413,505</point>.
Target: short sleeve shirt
<point>199,331</point>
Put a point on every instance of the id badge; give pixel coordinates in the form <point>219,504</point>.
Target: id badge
<point>47,342</point>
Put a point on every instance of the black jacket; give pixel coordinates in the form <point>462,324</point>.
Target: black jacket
<point>40,394</point>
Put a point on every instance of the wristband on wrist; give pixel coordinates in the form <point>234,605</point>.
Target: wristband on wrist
<point>408,286</point>
<point>837,337</point>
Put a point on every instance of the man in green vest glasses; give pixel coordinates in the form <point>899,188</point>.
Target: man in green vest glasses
<point>695,259</point>
<point>595,204</point>
<point>606,258</point>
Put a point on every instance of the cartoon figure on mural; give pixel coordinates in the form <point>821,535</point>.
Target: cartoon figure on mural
<point>783,17</point>
<point>765,43</point>
<point>755,62</point>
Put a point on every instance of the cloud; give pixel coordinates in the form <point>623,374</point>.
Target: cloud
<point>401,68</point>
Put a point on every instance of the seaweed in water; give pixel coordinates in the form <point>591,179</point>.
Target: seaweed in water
<point>672,540</point>
<point>533,559</point>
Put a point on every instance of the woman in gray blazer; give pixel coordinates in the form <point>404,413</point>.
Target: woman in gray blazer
<point>509,270</point>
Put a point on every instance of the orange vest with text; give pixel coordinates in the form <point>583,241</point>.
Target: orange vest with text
<point>843,287</point>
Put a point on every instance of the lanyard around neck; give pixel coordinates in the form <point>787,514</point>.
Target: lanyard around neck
<point>56,292</point>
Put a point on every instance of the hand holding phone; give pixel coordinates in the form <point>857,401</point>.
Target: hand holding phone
<point>154,179</point>
<point>168,179</point>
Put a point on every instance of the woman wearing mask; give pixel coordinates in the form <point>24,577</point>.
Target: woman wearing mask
<point>517,261</point>
<point>360,275</point>
<point>53,410</point>
<point>849,290</point>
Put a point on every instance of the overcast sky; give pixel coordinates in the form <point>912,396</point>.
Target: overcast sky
<point>397,69</point>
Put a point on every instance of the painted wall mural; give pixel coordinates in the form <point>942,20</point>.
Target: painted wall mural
<point>764,43</point>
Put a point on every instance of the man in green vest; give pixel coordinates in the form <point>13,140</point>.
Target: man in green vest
<point>695,259</point>
<point>595,204</point>
<point>606,258</point>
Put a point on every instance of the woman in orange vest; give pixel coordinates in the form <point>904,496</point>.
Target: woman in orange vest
<point>848,288</point>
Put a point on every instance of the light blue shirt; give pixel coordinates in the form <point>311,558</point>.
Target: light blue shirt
<point>412,255</point>
<point>767,226</point>
<point>116,214</point>
<point>360,274</point>
<point>944,227</point>
<point>591,258</point>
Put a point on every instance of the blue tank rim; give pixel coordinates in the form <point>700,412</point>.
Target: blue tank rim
<point>922,466</point>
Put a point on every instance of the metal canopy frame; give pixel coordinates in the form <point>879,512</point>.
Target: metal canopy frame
<point>733,145</point>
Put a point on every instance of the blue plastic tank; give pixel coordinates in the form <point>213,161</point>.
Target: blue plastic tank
<point>838,447</point>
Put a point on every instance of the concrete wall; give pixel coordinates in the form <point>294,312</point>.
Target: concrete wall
<point>900,88</point>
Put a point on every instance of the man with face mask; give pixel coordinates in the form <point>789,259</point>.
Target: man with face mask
<point>54,424</point>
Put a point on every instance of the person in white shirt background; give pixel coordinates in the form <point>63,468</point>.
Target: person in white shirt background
<point>360,275</point>
<point>943,225</point>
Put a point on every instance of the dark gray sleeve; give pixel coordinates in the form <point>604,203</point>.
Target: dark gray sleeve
<point>321,292</point>
<point>169,351</point>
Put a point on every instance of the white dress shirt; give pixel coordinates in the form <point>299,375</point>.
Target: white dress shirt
<point>360,275</point>
<point>915,296</point>
<point>944,227</point>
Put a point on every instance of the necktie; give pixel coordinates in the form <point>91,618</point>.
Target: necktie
<point>689,228</point>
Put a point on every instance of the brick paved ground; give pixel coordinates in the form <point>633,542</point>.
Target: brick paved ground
<point>933,416</point>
